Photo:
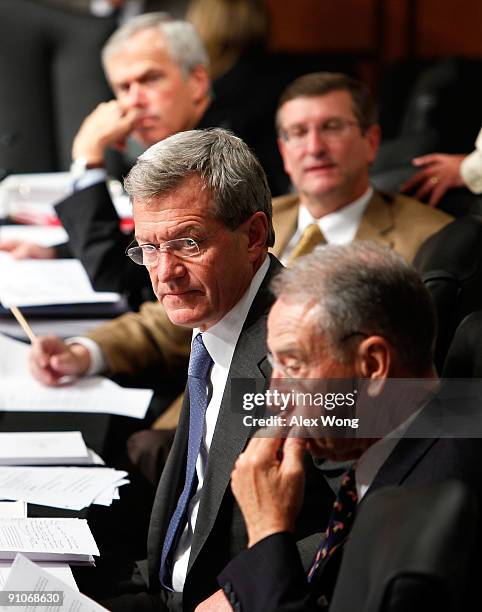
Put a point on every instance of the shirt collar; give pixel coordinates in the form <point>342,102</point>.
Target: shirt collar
<point>220,339</point>
<point>374,457</point>
<point>340,226</point>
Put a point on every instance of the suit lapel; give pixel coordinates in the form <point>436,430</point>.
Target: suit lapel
<point>285,221</point>
<point>230,435</point>
<point>377,222</point>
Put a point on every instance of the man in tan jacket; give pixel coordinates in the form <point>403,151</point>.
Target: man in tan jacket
<point>328,138</point>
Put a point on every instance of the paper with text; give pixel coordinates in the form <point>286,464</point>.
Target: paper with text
<point>20,392</point>
<point>27,576</point>
<point>71,488</point>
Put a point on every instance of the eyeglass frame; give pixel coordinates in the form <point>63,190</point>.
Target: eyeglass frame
<point>342,124</point>
<point>158,249</point>
<point>275,364</point>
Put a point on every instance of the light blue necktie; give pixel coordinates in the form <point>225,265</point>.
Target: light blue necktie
<point>200,363</point>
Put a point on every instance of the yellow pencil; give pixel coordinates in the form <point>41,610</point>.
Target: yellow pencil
<point>23,323</point>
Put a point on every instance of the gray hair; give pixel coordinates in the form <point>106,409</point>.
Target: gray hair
<point>223,161</point>
<point>183,43</point>
<point>364,288</point>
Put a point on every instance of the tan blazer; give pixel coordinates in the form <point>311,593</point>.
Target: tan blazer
<point>396,221</point>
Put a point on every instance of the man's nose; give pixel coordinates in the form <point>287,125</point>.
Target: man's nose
<point>315,142</point>
<point>169,267</point>
<point>136,96</point>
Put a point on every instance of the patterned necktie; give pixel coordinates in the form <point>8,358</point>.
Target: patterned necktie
<point>310,238</point>
<point>341,521</point>
<point>200,364</point>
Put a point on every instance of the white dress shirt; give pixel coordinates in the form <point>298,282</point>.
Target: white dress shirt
<point>220,341</point>
<point>338,227</point>
<point>471,167</point>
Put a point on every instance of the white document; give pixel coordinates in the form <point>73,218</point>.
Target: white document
<point>27,576</point>
<point>45,235</point>
<point>20,392</point>
<point>32,197</point>
<point>40,282</point>
<point>61,571</point>
<point>71,488</point>
<point>13,509</point>
<point>47,539</point>
<point>42,448</point>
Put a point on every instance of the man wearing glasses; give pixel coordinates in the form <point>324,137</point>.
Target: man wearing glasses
<point>202,212</point>
<point>328,139</point>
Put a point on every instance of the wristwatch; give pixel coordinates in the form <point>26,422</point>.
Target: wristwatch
<point>80,165</point>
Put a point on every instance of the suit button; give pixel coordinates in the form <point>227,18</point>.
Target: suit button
<point>322,602</point>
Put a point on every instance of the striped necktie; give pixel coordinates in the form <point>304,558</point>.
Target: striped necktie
<point>340,523</point>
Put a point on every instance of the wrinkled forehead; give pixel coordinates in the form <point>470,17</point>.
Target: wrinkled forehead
<point>141,47</point>
<point>292,321</point>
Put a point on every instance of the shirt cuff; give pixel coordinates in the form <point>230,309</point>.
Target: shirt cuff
<point>471,171</point>
<point>89,177</point>
<point>98,362</point>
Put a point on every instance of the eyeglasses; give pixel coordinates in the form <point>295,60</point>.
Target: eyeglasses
<point>148,254</point>
<point>297,366</point>
<point>331,129</point>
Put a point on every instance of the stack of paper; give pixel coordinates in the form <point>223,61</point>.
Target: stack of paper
<point>30,198</point>
<point>43,448</point>
<point>65,487</point>
<point>13,509</point>
<point>38,282</point>
<point>21,393</point>
<point>61,571</point>
<point>68,540</point>
<point>28,576</point>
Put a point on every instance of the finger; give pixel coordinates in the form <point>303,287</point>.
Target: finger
<point>425,160</point>
<point>262,450</point>
<point>437,194</point>
<point>425,189</point>
<point>43,374</point>
<point>413,182</point>
<point>8,245</point>
<point>65,364</point>
<point>293,453</point>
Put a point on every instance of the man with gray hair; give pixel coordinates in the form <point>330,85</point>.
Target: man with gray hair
<point>351,312</point>
<point>158,70</point>
<point>202,212</point>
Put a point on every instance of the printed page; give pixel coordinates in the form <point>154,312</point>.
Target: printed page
<point>20,392</point>
<point>27,576</point>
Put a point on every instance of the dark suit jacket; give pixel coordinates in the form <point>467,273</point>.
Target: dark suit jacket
<point>95,237</point>
<point>220,533</point>
<point>270,576</point>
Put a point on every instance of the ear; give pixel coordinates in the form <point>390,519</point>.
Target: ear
<point>256,228</point>
<point>373,136</point>
<point>374,361</point>
<point>199,84</point>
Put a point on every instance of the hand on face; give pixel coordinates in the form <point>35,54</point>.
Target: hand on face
<point>51,359</point>
<point>108,125</point>
<point>268,483</point>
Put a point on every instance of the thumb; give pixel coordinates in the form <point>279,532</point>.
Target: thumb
<point>64,364</point>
